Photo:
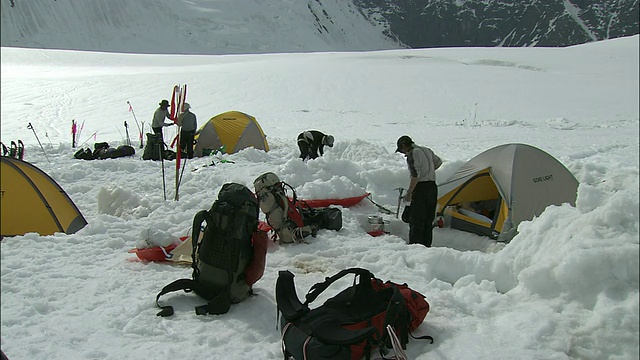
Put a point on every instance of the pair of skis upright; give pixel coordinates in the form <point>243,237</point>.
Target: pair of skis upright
<point>178,99</point>
<point>75,132</point>
<point>15,150</point>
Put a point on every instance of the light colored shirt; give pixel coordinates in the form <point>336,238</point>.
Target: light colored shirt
<point>158,117</point>
<point>423,163</point>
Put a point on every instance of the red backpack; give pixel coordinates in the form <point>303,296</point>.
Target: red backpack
<point>367,315</point>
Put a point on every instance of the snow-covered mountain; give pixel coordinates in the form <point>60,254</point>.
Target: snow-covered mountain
<point>190,27</point>
<point>261,26</point>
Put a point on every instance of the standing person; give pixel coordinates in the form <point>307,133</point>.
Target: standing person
<point>159,115</point>
<point>189,123</point>
<point>311,142</point>
<point>423,191</point>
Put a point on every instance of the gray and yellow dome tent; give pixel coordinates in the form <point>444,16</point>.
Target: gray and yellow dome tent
<point>33,202</point>
<point>234,130</point>
<point>503,186</point>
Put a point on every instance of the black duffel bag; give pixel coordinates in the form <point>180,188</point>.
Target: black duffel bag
<point>324,218</point>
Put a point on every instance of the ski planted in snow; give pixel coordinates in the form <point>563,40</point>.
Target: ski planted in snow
<point>126,128</point>
<point>140,129</point>
<point>178,99</point>
<point>20,153</point>
<point>13,149</point>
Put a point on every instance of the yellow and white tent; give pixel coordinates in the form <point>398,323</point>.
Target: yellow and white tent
<point>33,202</point>
<point>234,130</point>
<point>504,186</point>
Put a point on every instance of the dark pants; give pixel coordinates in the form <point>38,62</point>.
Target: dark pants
<point>158,130</point>
<point>186,142</point>
<point>423,211</point>
<point>306,151</point>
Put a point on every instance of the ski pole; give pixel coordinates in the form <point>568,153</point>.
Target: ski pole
<point>122,136</point>
<point>79,132</point>
<point>30,127</point>
<point>164,186</point>
<point>138,125</point>
<point>92,135</point>
<point>46,134</point>
<point>400,190</point>
<point>126,127</point>
<point>182,171</point>
<point>178,158</point>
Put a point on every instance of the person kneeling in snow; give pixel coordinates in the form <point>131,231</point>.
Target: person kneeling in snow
<point>311,142</point>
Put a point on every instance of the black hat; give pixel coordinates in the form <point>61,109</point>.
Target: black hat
<point>403,140</point>
<point>164,103</point>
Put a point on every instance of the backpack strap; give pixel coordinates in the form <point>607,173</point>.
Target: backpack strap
<point>398,317</point>
<point>287,299</point>
<point>293,212</point>
<point>363,285</point>
<point>219,304</point>
<point>180,284</point>
<point>198,219</point>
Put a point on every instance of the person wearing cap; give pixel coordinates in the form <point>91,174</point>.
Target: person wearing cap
<point>422,193</point>
<point>312,142</point>
<point>188,122</point>
<point>159,115</point>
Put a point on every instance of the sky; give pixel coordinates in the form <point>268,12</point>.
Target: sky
<point>566,287</point>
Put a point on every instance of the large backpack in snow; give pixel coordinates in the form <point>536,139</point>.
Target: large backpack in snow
<point>156,149</point>
<point>367,315</point>
<point>223,261</point>
<point>281,213</point>
<point>153,148</point>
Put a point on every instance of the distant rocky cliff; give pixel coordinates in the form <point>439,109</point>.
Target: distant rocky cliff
<point>438,23</point>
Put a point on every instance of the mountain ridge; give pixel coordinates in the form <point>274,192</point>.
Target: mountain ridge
<point>277,26</point>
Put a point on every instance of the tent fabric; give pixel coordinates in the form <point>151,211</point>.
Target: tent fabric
<point>522,180</point>
<point>234,130</point>
<point>33,202</point>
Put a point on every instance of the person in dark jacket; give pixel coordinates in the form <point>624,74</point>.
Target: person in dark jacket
<point>311,144</point>
<point>188,122</point>
<point>422,193</point>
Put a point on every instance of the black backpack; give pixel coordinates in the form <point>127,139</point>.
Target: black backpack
<point>220,257</point>
<point>155,149</point>
<point>324,218</point>
<point>84,154</point>
<point>113,153</point>
<point>367,315</point>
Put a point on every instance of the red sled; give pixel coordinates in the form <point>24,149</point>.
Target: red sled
<point>320,203</point>
<point>156,253</point>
